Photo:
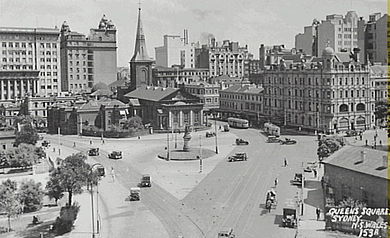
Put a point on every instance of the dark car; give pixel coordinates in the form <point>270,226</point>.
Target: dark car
<point>241,142</point>
<point>210,134</point>
<point>93,152</point>
<point>238,157</point>
<point>288,141</point>
<point>145,181</point>
<point>115,155</point>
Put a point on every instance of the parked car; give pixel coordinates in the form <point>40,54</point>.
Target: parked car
<point>241,156</point>
<point>93,152</point>
<point>289,218</point>
<point>115,155</point>
<point>241,142</point>
<point>288,141</point>
<point>135,194</point>
<point>210,134</point>
<point>273,139</point>
<point>226,128</point>
<point>298,179</point>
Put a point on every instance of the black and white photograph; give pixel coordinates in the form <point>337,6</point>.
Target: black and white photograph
<point>194,118</point>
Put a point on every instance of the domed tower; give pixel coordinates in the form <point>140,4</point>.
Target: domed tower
<point>328,57</point>
<point>140,63</point>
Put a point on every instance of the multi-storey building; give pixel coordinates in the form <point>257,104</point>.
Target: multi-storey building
<point>343,34</point>
<point>175,76</point>
<point>376,39</point>
<point>173,52</point>
<point>208,94</point>
<point>329,94</point>
<point>25,52</point>
<point>380,81</point>
<point>227,58</point>
<point>245,101</point>
<point>86,61</point>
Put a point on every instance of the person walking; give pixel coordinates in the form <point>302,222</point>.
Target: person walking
<point>112,174</point>
<point>285,162</point>
<point>276,182</point>
<point>318,212</point>
<point>315,173</point>
<point>90,142</point>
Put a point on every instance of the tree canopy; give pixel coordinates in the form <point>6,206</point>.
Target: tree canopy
<point>9,201</point>
<point>27,134</point>
<point>31,195</point>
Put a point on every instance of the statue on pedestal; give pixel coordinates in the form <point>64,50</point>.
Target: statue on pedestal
<point>186,137</point>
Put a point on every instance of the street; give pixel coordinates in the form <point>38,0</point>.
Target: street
<point>225,195</point>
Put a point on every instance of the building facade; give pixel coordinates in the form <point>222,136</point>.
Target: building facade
<point>167,108</point>
<point>87,60</point>
<point>329,94</point>
<point>342,33</point>
<point>376,39</point>
<point>18,84</point>
<point>242,101</point>
<point>208,94</point>
<point>175,76</point>
<point>31,50</point>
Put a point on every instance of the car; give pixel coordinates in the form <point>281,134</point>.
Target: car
<point>288,141</point>
<point>210,134</point>
<point>115,155</point>
<point>45,143</point>
<point>289,218</point>
<point>273,139</point>
<point>135,194</point>
<point>226,234</point>
<point>241,142</point>
<point>93,152</point>
<point>145,181</point>
<point>241,156</point>
<point>298,179</point>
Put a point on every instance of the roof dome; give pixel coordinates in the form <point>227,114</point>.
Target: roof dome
<point>328,51</point>
<point>100,85</point>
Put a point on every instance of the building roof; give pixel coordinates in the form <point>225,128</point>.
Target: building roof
<point>140,52</point>
<point>102,92</point>
<point>151,93</point>
<point>134,102</point>
<point>118,83</point>
<point>348,156</point>
<point>94,105</point>
<point>244,89</point>
<point>343,57</point>
<point>379,70</point>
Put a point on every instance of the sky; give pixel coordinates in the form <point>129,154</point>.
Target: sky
<point>250,22</point>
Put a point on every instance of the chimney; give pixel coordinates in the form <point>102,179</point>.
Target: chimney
<point>384,161</point>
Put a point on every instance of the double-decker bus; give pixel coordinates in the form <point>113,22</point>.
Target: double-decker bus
<point>238,123</point>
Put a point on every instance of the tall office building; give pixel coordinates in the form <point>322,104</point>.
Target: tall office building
<point>88,60</point>
<point>342,33</point>
<point>30,62</point>
<point>376,39</point>
<point>174,51</point>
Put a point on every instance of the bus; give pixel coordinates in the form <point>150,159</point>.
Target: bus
<point>238,123</point>
<point>271,129</point>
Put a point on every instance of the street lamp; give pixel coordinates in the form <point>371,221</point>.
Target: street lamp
<point>216,135</point>
<point>92,208</point>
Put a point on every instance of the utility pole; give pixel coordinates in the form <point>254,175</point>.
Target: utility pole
<point>216,134</point>
<point>59,138</point>
<point>92,210</point>
<point>168,145</point>
<point>200,154</point>
<point>175,139</point>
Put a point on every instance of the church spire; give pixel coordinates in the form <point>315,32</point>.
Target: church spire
<point>140,52</point>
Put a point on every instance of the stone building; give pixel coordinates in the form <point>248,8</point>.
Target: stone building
<point>87,60</point>
<point>208,94</point>
<point>167,108</point>
<point>175,76</point>
<point>330,94</point>
<point>376,39</point>
<point>358,173</point>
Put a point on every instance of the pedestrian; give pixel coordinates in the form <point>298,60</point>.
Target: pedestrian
<point>318,212</point>
<point>315,173</point>
<point>366,142</point>
<point>276,182</point>
<point>103,142</point>
<point>285,162</point>
<point>361,137</point>
<point>139,137</point>
<point>112,174</point>
<point>74,144</point>
<point>380,143</point>
<point>90,142</point>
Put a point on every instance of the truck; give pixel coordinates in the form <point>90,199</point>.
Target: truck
<point>289,218</point>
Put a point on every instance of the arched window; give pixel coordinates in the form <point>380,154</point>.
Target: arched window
<point>360,107</point>
<point>360,121</point>
<point>343,108</point>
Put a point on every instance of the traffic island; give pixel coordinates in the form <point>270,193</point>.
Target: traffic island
<point>181,155</point>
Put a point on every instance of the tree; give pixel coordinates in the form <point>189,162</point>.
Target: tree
<point>133,123</point>
<point>72,175</point>
<point>381,110</point>
<point>323,151</point>
<point>352,203</point>
<point>22,156</point>
<point>24,108</point>
<point>28,135</point>
<point>53,189</point>
<point>31,195</point>
<point>9,201</point>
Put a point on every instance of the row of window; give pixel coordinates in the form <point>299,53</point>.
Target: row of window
<point>77,86</point>
<point>242,97</point>
<point>315,81</point>
<point>27,44</point>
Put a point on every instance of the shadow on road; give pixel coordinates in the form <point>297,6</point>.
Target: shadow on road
<point>36,231</point>
<point>278,220</point>
<point>311,184</point>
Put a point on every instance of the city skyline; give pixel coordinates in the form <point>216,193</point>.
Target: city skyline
<point>250,22</point>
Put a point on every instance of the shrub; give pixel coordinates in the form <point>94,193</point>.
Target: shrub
<point>68,215</point>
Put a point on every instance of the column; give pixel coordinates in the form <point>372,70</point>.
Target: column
<point>15,84</point>
<point>28,85</point>
<point>201,117</point>
<point>2,89</point>
<point>180,118</point>
<point>170,119</point>
<point>8,89</point>
<point>191,118</point>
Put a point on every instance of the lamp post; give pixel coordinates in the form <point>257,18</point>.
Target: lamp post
<point>200,154</point>
<point>167,144</point>
<point>92,207</point>
<point>216,134</point>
